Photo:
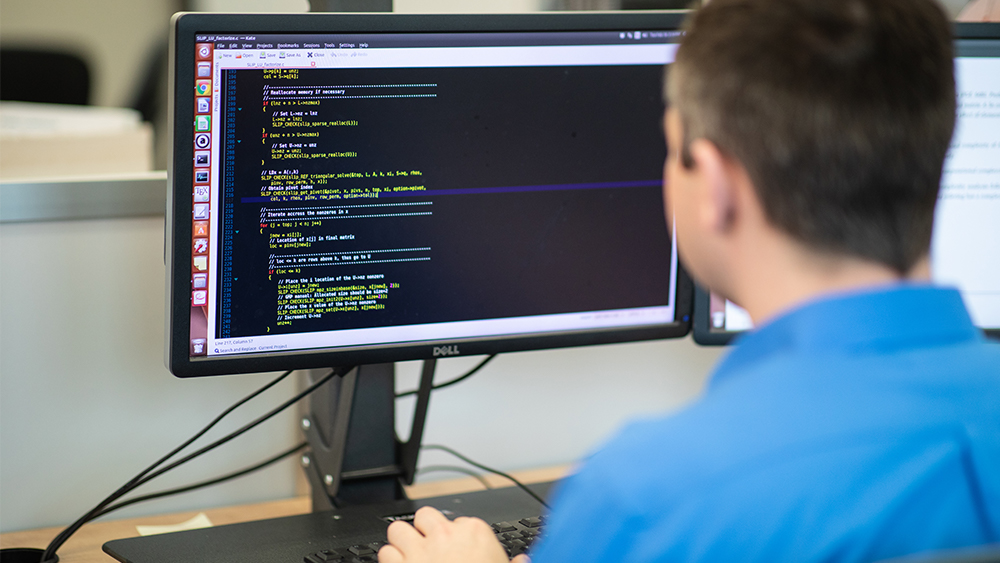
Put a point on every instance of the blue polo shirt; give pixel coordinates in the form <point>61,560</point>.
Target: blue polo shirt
<point>853,428</point>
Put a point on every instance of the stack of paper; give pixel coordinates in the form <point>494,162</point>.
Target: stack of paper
<point>51,140</point>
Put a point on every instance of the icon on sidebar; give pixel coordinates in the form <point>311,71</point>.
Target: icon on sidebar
<point>203,123</point>
<point>203,87</point>
<point>201,211</point>
<point>202,193</point>
<point>202,140</point>
<point>201,228</point>
<point>200,245</point>
<point>202,158</point>
<point>201,176</point>
<point>204,105</point>
<point>204,70</point>
<point>204,51</point>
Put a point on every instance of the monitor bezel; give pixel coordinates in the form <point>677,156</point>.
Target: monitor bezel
<point>980,30</point>
<point>185,26</point>
<point>701,331</point>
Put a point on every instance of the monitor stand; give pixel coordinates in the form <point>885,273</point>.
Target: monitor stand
<point>354,455</point>
<point>356,466</point>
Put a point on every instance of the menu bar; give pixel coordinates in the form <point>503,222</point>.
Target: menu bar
<point>397,40</point>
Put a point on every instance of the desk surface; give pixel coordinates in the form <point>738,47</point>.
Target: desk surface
<point>85,545</point>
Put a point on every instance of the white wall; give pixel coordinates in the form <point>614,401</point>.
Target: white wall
<point>85,401</point>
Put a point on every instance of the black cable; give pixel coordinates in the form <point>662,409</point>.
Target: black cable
<point>244,429</point>
<point>462,377</point>
<point>131,484</point>
<point>456,469</point>
<point>145,476</point>
<point>484,468</point>
<point>203,484</point>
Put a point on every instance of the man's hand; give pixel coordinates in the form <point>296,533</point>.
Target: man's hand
<point>434,539</point>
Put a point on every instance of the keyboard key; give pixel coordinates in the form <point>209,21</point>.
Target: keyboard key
<point>533,522</point>
<point>503,527</point>
<point>361,550</point>
<point>365,559</point>
<point>325,556</point>
<point>517,547</point>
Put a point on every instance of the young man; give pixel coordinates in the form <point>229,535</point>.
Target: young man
<point>861,420</point>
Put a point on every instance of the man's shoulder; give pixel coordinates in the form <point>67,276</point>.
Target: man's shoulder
<point>668,455</point>
<point>798,406</point>
<point>870,429</point>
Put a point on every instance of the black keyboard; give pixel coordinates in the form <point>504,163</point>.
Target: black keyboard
<point>515,537</point>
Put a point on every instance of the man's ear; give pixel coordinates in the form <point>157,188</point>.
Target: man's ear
<point>718,201</point>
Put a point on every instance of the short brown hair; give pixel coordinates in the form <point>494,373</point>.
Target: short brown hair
<point>841,111</point>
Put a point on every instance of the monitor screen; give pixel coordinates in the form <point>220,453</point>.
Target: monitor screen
<point>965,249</point>
<point>352,189</point>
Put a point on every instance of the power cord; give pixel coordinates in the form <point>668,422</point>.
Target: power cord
<point>134,482</point>
<point>204,484</point>
<point>462,377</point>
<point>456,469</point>
<point>151,473</point>
<point>523,487</point>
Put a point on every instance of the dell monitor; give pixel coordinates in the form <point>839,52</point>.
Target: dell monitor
<point>360,189</point>
<point>965,248</point>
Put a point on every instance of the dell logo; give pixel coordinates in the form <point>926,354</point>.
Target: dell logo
<point>446,351</point>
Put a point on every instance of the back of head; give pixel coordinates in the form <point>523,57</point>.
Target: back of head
<point>840,110</point>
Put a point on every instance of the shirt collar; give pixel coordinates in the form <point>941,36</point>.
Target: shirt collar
<point>880,319</point>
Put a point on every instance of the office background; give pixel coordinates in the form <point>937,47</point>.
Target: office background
<point>85,402</point>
